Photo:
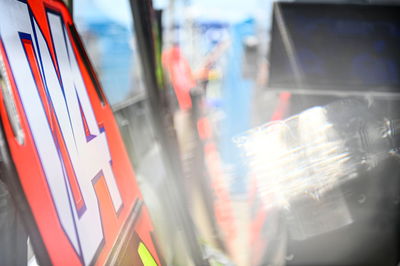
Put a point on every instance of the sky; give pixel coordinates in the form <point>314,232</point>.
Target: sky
<point>116,10</point>
<point>230,11</point>
<point>225,10</point>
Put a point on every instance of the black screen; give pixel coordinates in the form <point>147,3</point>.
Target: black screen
<point>335,47</point>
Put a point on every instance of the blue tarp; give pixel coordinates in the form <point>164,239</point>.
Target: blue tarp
<point>237,92</point>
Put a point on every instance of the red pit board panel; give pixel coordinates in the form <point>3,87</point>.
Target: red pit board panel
<point>70,159</point>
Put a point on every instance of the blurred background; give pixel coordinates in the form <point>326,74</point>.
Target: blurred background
<point>261,133</point>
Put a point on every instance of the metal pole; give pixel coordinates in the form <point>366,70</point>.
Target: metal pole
<point>162,122</point>
<point>71,7</point>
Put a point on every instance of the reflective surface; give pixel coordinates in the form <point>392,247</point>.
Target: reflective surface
<point>295,174</point>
